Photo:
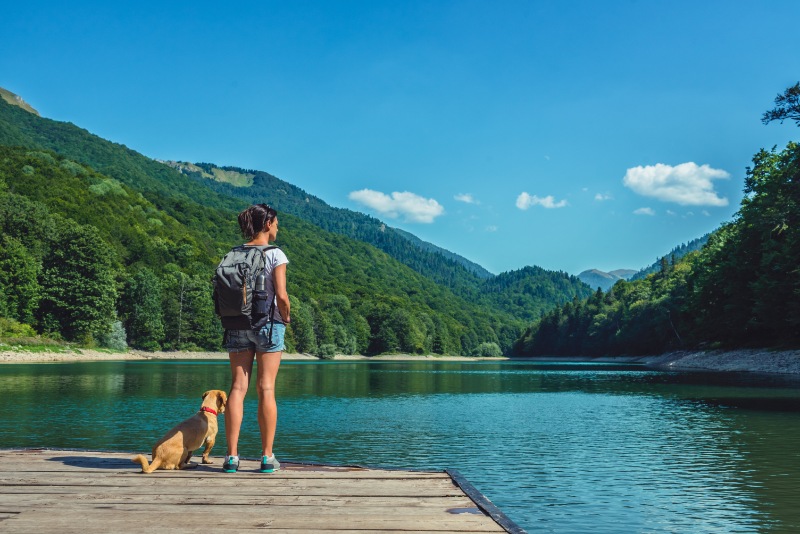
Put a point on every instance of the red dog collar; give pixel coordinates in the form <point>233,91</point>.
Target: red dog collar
<point>207,409</point>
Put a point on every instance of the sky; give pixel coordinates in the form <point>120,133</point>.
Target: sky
<point>568,135</point>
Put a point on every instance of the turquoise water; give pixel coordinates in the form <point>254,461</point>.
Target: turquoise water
<point>564,448</point>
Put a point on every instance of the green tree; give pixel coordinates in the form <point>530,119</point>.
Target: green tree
<point>140,306</point>
<point>115,338</point>
<point>189,319</point>
<point>302,327</point>
<point>78,284</point>
<point>19,286</point>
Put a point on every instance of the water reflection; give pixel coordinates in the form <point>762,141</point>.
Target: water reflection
<point>559,447</point>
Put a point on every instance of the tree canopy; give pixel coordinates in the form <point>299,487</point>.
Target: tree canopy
<point>787,106</point>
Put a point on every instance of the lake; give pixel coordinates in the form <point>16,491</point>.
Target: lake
<point>559,447</point>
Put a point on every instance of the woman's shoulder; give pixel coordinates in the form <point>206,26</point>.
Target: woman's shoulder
<point>278,255</point>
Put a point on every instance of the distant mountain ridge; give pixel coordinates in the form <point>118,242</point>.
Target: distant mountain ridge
<point>595,278</point>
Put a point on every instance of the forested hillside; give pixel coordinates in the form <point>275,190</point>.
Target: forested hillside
<point>675,254</point>
<point>741,289</point>
<point>81,249</point>
<point>444,267</point>
<point>198,226</point>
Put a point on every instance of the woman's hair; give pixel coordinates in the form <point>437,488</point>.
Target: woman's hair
<point>254,219</point>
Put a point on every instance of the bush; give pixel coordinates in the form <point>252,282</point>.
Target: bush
<point>487,350</point>
<point>326,351</point>
<point>12,328</point>
<point>115,338</point>
<point>73,168</point>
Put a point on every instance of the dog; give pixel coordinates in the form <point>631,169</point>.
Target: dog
<point>175,449</point>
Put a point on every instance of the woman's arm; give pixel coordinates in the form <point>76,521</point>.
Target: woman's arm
<point>282,297</point>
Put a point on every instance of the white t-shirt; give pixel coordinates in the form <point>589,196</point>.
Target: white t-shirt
<point>274,257</point>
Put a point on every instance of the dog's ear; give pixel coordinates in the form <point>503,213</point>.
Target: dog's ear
<point>222,400</point>
<point>204,395</point>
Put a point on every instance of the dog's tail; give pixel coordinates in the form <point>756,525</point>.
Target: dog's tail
<point>146,466</point>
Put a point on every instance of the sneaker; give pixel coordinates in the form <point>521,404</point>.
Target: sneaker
<point>269,464</point>
<point>231,464</point>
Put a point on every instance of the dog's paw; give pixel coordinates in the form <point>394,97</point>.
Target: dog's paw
<point>208,461</point>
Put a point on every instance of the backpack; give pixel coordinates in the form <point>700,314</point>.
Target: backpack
<point>237,302</point>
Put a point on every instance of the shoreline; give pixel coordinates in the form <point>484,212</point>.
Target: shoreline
<point>92,355</point>
<point>742,360</point>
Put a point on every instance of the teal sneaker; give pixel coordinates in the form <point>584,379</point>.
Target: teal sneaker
<point>269,464</point>
<point>231,464</point>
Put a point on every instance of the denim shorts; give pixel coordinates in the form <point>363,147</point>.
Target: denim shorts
<point>241,340</point>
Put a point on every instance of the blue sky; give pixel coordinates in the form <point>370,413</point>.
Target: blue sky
<point>570,135</point>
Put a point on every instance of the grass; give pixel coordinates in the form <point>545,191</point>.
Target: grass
<point>36,344</point>
<point>234,178</point>
<point>43,344</point>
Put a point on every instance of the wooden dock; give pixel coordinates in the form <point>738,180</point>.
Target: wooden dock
<point>60,491</point>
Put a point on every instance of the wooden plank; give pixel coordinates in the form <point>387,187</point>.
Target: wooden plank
<point>58,461</point>
<point>278,475</point>
<point>430,515</point>
<point>120,520</point>
<point>318,488</point>
<point>139,479</point>
<point>388,505</point>
<point>58,529</point>
<point>287,471</point>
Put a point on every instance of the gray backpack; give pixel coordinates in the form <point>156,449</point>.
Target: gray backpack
<point>238,302</point>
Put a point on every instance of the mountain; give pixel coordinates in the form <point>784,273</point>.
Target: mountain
<point>404,293</point>
<point>595,278</point>
<point>444,266</point>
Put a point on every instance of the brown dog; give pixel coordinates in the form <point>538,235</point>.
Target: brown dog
<point>175,449</point>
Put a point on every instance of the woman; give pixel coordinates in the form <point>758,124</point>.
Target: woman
<point>259,225</point>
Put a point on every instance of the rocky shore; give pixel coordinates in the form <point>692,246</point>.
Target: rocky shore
<point>745,360</point>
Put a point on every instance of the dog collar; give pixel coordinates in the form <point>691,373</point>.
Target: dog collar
<point>207,409</point>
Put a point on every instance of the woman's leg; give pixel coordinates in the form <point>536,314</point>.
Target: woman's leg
<point>268,364</point>
<point>241,370</point>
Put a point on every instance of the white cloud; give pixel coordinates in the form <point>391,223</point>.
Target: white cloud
<point>671,213</point>
<point>525,201</point>
<point>413,207</point>
<point>600,197</point>
<point>686,184</point>
<point>491,228</point>
<point>467,198</point>
<point>706,213</point>
<point>644,211</point>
